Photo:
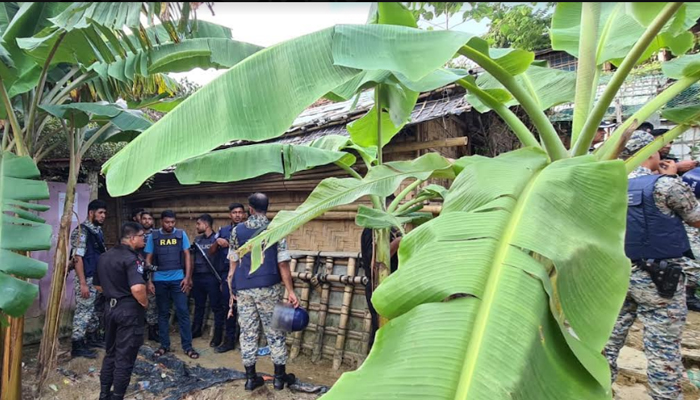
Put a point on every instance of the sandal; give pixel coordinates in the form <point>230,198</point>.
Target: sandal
<point>191,353</point>
<point>160,352</point>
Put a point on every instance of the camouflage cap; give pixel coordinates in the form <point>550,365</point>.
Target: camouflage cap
<point>637,141</point>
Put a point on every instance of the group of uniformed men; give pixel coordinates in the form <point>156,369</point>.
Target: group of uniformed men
<point>661,241</point>
<point>150,270</point>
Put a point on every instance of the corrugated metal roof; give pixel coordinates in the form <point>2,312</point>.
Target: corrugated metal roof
<point>423,111</point>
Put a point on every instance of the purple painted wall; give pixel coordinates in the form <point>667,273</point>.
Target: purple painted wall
<point>34,316</point>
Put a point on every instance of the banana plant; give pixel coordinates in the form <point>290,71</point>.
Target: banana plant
<point>513,290</point>
<point>21,231</point>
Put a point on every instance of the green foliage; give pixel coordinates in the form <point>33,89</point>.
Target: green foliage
<point>21,230</point>
<point>521,26</point>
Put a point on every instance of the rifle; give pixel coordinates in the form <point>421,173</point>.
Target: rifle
<point>211,267</point>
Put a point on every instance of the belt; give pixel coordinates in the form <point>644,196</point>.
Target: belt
<point>124,300</point>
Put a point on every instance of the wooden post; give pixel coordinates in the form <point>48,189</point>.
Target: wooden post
<point>304,302</point>
<point>292,269</point>
<point>325,294</point>
<point>93,183</point>
<point>367,331</point>
<point>344,318</point>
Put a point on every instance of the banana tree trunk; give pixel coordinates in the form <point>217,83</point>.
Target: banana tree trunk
<point>12,359</point>
<point>381,262</point>
<point>49,337</point>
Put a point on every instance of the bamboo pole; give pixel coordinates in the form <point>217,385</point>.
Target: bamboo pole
<point>337,310</point>
<point>304,302</point>
<point>325,294</point>
<point>12,359</point>
<point>329,351</point>
<point>344,318</point>
<point>292,268</point>
<point>332,330</point>
<point>367,332</point>
<point>334,254</point>
<point>325,278</point>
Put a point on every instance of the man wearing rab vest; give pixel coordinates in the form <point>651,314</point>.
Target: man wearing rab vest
<point>657,245</point>
<point>87,242</point>
<point>258,292</point>
<point>168,250</point>
<point>205,283</point>
<point>238,215</point>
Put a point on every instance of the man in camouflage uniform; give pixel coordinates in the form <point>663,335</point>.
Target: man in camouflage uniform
<point>152,310</point>
<point>87,243</point>
<point>258,293</point>
<point>663,317</point>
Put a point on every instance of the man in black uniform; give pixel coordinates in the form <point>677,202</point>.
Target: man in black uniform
<point>120,278</point>
<point>206,282</point>
<point>238,215</point>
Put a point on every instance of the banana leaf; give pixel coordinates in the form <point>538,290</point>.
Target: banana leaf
<point>21,230</point>
<point>512,292</point>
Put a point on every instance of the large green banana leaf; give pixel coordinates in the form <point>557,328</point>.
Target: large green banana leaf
<point>21,230</point>
<point>511,293</point>
<point>288,78</point>
<point>246,162</point>
<point>381,180</point>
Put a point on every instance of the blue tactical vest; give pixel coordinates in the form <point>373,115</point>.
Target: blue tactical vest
<point>167,250</point>
<point>650,233</point>
<point>94,247</point>
<point>200,264</point>
<point>222,262</point>
<point>267,275</point>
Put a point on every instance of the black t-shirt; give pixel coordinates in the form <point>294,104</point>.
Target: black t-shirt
<point>366,248</point>
<point>117,271</point>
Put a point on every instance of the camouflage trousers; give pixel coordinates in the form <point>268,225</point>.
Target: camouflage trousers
<point>256,306</point>
<point>663,321</point>
<point>85,319</point>
<point>152,310</point>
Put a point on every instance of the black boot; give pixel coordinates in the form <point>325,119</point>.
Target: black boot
<point>282,377</point>
<point>105,392</point>
<point>196,331</point>
<point>690,299</point>
<point>153,333</point>
<point>252,379</point>
<point>117,397</point>
<point>228,345</point>
<point>81,350</point>
<point>218,333</point>
<point>93,339</point>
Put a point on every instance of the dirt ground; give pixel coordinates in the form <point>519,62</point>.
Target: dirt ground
<point>80,377</point>
<point>631,383</point>
<point>84,384</point>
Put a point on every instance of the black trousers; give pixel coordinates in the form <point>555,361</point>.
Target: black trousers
<point>374,326</point>
<point>124,329</point>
